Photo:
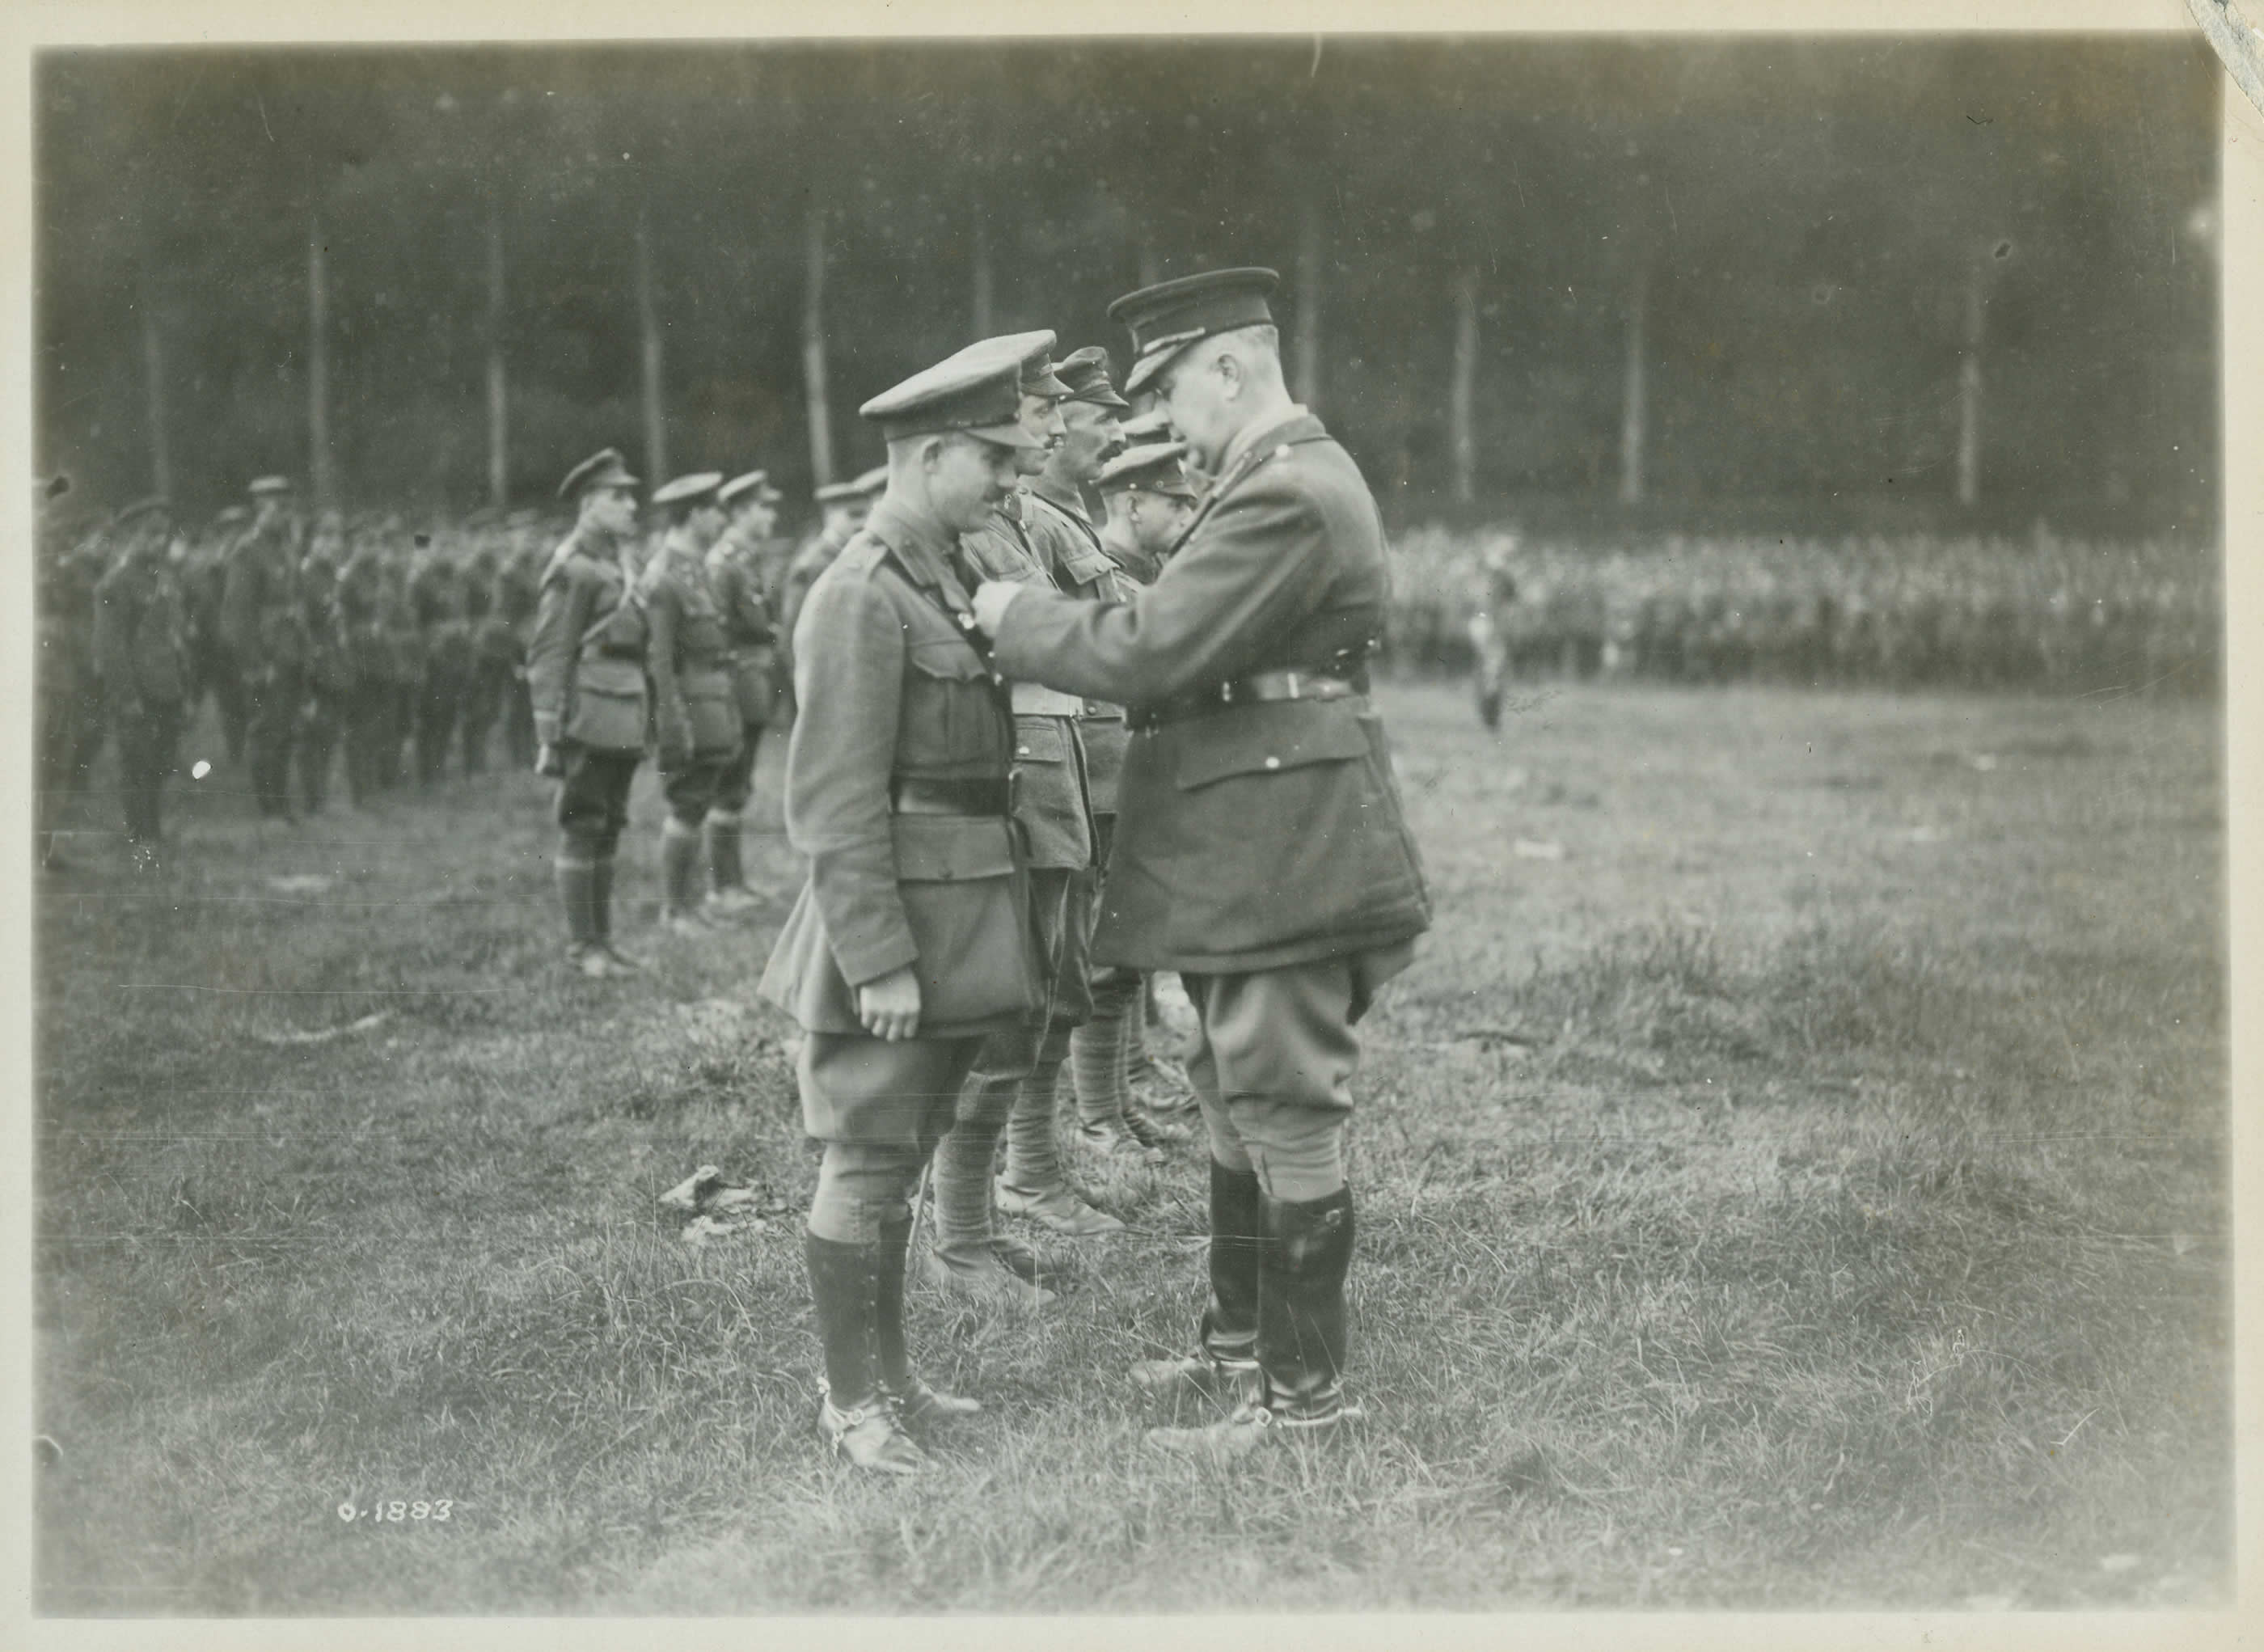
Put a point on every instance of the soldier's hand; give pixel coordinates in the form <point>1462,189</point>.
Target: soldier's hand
<point>890,1007</point>
<point>548,763</point>
<point>992,598</point>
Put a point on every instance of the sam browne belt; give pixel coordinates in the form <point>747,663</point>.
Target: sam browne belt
<point>1258,687</point>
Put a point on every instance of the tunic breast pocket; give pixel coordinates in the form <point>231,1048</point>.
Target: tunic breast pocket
<point>949,715</point>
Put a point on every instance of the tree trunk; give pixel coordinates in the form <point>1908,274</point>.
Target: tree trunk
<point>1463,390</point>
<point>1634,422</point>
<point>983,290</point>
<point>153,367</point>
<point>655,423</point>
<point>1307,374</point>
<point>1152,267</point>
<point>498,407</point>
<point>318,370</point>
<point>813,348</point>
<point>1969,399</point>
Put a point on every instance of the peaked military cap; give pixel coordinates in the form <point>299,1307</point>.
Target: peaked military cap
<point>1166,318</point>
<point>140,508</point>
<point>601,470</point>
<point>977,392</point>
<point>230,515</point>
<point>873,482</point>
<point>698,484</point>
<point>837,493</point>
<point>1154,467</point>
<point>1086,372</point>
<point>262,486</point>
<point>757,482</point>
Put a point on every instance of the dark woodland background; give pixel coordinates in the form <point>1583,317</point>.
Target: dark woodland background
<point>1668,281</point>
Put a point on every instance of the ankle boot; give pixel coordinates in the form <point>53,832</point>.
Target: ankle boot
<point>857,1414</point>
<point>915,1401</point>
<point>1302,1332</point>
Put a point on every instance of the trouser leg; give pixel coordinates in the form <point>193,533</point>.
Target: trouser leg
<point>1272,1073</point>
<point>577,876</point>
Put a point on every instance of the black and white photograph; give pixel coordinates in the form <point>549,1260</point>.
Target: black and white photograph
<point>1075,825</point>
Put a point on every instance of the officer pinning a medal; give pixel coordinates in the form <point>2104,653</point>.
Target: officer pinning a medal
<point>586,677</point>
<point>909,944</point>
<point>1260,847</point>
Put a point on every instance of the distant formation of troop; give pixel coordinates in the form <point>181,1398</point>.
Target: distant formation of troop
<point>352,650</point>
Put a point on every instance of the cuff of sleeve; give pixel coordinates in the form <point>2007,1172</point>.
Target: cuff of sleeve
<point>546,731</point>
<point>992,598</point>
<point>863,962</point>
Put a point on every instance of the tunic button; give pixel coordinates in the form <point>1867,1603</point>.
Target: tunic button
<point>1273,763</point>
<point>1021,751</point>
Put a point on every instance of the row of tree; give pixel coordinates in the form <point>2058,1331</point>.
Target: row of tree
<point>1962,279</point>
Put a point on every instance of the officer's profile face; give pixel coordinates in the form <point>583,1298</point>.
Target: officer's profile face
<point>1199,392</point>
<point>967,479</point>
<point>706,523</point>
<point>1041,420</point>
<point>759,519</point>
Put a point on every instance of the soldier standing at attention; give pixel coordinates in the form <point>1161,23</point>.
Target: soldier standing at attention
<point>1061,529</point>
<point>1150,502</point>
<point>141,640</point>
<point>1053,815</point>
<point>266,637</point>
<point>1261,850</point>
<point>585,668</point>
<point>908,943</point>
<point>212,666</point>
<point>695,703</point>
<point>734,578</point>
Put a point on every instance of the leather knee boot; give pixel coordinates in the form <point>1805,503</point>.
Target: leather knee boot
<point>856,1415</point>
<point>916,1401</point>
<point>1302,1333</point>
<point>1224,1367</point>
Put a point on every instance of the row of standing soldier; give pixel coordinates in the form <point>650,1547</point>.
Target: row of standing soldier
<point>355,647</point>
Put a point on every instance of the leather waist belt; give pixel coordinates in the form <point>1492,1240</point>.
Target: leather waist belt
<point>916,795</point>
<point>1036,699</point>
<point>609,651</point>
<point>1257,688</point>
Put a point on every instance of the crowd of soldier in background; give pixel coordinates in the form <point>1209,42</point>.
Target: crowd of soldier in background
<point>355,646</point>
<point>2043,614</point>
<point>330,646</point>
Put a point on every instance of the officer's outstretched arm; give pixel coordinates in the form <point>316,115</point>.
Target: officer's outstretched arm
<point>1258,564</point>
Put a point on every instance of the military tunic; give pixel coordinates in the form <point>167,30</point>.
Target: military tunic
<point>1264,833</point>
<point>734,578</point>
<point>695,702</point>
<point>586,677</point>
<point>895,785</point>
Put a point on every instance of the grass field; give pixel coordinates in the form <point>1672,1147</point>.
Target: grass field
<point>1809,1190</point>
